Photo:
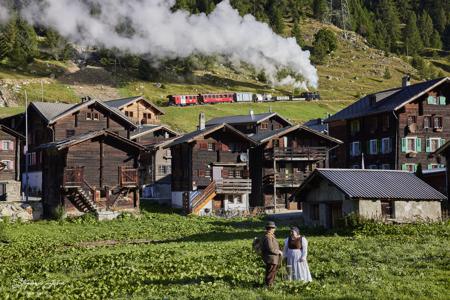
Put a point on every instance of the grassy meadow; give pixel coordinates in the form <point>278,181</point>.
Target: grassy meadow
<point>162,255</point>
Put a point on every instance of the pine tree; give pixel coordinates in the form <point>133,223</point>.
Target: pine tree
<point>411,36</point>
<point>296,33</point>
<point>324,43</point>
<point>8,33</point>
<point>387,13</point>
<point>446,38</point>
<point>435,41</point>
<point>276,20</point>
<point>320,9</point>
<point>426,28</point>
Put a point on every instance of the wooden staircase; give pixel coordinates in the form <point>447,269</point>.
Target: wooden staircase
<point>202,199</point>
<point>82,200</point>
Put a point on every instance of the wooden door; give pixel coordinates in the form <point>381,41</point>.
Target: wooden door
<point>334,213</point>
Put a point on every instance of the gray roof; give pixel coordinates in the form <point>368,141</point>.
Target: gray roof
<point>119,103</point>
<point>145,129</point>
<point>50,110</point>
<point>74,140</point>
<point>317,124</point>
<point>191,136</point>
<point>244,119</point>
<point>267,135</point>
<point>386,101</point>
<point>377,184</point>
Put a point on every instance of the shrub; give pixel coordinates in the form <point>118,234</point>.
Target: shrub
<point>324,43</point>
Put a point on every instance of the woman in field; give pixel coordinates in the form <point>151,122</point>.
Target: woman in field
<point>295,251</point>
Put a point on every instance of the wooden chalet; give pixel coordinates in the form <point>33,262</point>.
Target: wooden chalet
<point>328,195</point>
<point>252,123</point>
<point>394,129</point>
<point>52,122</point>
<point>156,162</point>
<point>140,110</point>
<point>210,171</point>
<point>92,172</point>
<point>11,145</point>
<point>283,159</point>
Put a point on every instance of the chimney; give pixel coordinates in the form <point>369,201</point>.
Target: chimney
<point>270,109</point>
<point>406,81</point>
<point>201,121</point>
<point>252,114</point>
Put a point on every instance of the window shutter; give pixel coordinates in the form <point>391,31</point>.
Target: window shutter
<point>430,166</point>
<point>11,145</point>
<point>379,142</point>
<point>442,100</point>
<point>1,145</point>
<point>442,142</point>
<point>415,167</point>
<point>404,145</point>
<point>404,168</point>
<point>225,147</point>
<point>428,146</point>
<point>430,100</point>
<point>418,145</point>
<point>10,165</point>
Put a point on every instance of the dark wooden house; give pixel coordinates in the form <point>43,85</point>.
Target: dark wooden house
<point>210,171</point>
<point>394,129</point>
<point>52,122</point>
<point>328,195</point>
<point>252,123</point>
<point>156,162</point>
<point>283,159</point>
<point>92,172</point>
<point>11,148</point>
<point>140,110</point>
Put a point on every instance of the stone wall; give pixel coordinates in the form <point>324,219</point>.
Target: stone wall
<point>12,190</point>
<point>411,211</point>
<point>25,211</point>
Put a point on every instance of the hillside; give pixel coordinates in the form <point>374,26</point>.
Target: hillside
<point>350,72</point>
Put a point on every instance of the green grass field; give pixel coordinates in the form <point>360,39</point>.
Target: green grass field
<point>167,256</point>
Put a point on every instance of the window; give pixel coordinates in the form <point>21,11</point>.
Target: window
<point>373,124</point>
<point>95,116</point>
<point>164,170</point>
<point>412,120</point>
<point>437,122</point>
<point>433,144</point>
<point>32,158</point>
<point>442,100</point>
<point>211,147</point>
<point>386,166</point>
<point>409,167</point>
<point>88,116</point>
<point>201,173</point>
<point>433,166</point>
<point>373,147</point>
<point>2,191</point>
<point>426,122</point>
<point>264,126</point>
<point>355,149</point>
<point>7,165</point>
<point>168,153</point>
<point>238,199</point>
<point>386,120</point>
<point>432,100</point>
<point>70,133</point>
<point>314,213</point>
<point>387,209</point>
<point>230,199</point>
<point>208,173</point>
<point>7,145</point>
<point>203,145</point>
<point>276,143</point>
<point>411,144</point>
<point>355,126</point>
<point>386,146</point>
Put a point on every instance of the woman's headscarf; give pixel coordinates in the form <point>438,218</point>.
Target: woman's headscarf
<point>295,229</point>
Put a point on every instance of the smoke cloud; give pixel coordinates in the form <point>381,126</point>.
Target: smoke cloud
<point>4,13</point>
<point>154,29</point>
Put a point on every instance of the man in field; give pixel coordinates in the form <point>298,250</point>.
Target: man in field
<point>271,253</point>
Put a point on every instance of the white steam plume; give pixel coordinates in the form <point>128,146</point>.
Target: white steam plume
<point>4,13</point>
<point>162,33</point>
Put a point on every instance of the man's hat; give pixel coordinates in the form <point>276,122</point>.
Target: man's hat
<point>271,224</point>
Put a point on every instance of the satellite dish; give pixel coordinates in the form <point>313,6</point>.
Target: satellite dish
<point>243,157</point>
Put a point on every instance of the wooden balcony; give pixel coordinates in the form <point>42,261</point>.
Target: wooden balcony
<point>286,180</point>
<point>297,153</point>
<point>73,177</point>
<point>128,177</point>
<point>233,186</point>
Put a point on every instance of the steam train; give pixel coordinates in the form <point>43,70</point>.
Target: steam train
<point>185,100</point>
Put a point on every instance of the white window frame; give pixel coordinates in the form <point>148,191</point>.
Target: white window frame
<point>373,147</point>
<point>407,144</point>
<point>6,144</point>
<point>389,145</point>
<point>352,151</point>
<point>414,167</point>
<point>431,143</point>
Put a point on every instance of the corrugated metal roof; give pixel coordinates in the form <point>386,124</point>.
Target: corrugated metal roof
<point>50,110</point>
<point>244,119</point>
<point>378,184</point>
<point>386,101</point>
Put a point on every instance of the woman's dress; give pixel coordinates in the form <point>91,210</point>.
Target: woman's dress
<point>296,252</point>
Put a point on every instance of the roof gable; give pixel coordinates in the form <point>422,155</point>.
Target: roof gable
<point>12,132</point>
<point>386,101</point>
<point>376,184</point>
<point>247,119</point>
<point>121,103</point>
<point>143,130</point>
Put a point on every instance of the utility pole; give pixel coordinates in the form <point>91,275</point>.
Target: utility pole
<point>274,182</point>
<point>26,147</point>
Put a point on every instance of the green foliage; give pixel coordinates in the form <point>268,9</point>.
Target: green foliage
<point>262,77</point>
<point>411,36</point>
<point>59,213</point>
<point>21,47</point>
<point>435,40</point>
<point>297,34</point>
<point>425,23</point>
<point>320,9</point>
<point>3,235</point>
<point>167,256</point>
<point>324,43</point>
<point>388,15</point>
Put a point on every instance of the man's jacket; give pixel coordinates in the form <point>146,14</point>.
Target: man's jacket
<point>270,249</point>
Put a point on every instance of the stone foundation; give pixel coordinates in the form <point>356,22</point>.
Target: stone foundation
<point>25,211</point>
<point>12,190</point>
